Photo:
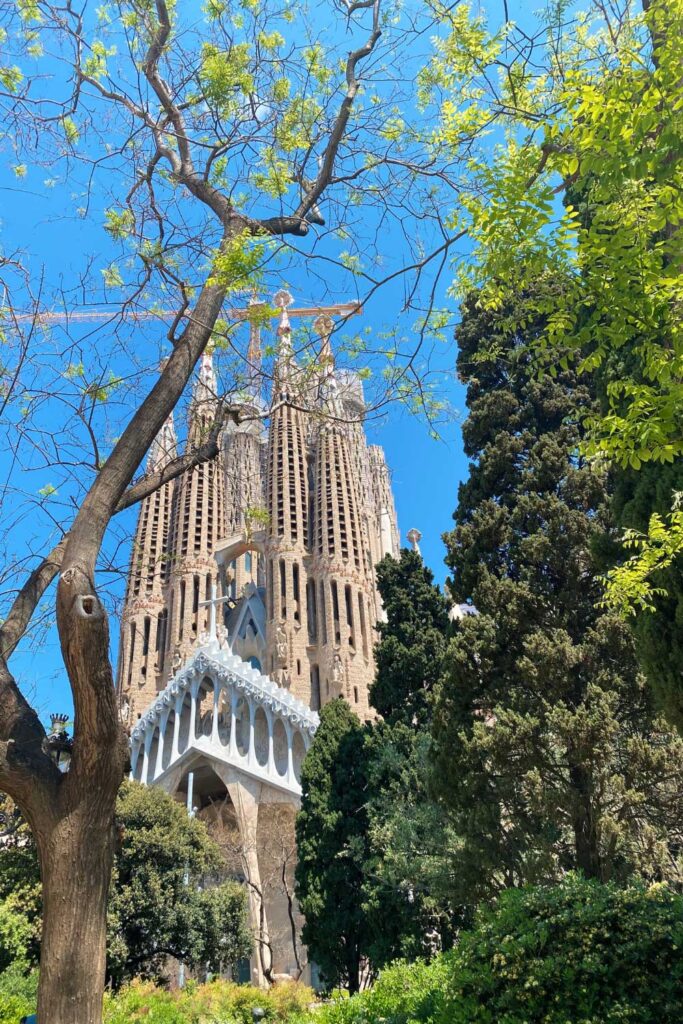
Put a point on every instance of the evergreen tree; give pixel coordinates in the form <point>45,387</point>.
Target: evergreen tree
<point>546,749</point>
<point>408,886</point>
<point>412,640</point>
<point>360,912</point>
<point>409,839</point>
<point>331,836</point>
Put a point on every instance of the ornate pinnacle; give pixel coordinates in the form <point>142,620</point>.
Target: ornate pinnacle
<point>414,536</point>
<point>323,326</point>
<point>254,350</point>
<point>282,300</point>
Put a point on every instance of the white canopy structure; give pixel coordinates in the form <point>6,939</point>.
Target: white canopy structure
<point>220,709</point>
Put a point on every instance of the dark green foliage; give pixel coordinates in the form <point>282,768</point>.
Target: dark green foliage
<point>412,640</point>
<point>412,848</point>
<point>405,894</point>
<point>331,836</point>
<point>577,952</point>
<point>153,911</point>
<point>547,752</point>
<point>359,903</point>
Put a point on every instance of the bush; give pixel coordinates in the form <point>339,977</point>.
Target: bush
<point>17,994</point>
<point>217,1002</point>
<point>403,994</point>
<point>575,953</point>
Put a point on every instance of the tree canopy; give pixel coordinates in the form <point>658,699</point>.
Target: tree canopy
<point>412,640</point>
<point>167,898</point>
<point>545,738</point>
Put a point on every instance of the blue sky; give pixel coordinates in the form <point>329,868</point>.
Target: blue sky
<point>56,226</point>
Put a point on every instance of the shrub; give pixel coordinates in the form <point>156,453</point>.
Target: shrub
<point>17,994</point>
<point>217,1002</point>
<point>576,952</point>
<point>403,994</point>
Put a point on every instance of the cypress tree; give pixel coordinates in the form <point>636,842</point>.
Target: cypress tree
<point>412,640</point>
<point>546,748</point>
<point>331,837</point>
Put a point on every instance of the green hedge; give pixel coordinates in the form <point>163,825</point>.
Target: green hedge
<point>17,994</point>
<point>576,953</point>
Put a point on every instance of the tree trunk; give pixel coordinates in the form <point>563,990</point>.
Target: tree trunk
<point>586,843</point>
<point>353,969</point>
<point>75,861</point>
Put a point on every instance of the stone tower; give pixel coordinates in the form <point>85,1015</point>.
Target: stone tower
<point>144,624</point>
<point>286,546</point>
<point>244,448</point>
<point>289,520</point>
<point>196,525</point>
<point>341,583</point>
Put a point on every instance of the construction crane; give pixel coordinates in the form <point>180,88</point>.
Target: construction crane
<point>85,314</point>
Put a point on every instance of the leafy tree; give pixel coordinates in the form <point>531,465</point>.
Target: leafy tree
<point>210,141</point>
<point>16,932</point>
<point>158,905</point>
<point>592,99</point>
<point>412,640</point>
<point>642,503</point>
<point>19,891</point>
<point>411,846</point>
<point>364,902</point>
<point>331,835</point>
<point>546,748</point>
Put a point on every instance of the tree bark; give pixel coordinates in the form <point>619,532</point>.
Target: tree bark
<point>587,850</point>
<point>353,969</point>
<point>76,857</point>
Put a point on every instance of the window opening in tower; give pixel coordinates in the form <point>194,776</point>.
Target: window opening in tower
<point>335,613</point>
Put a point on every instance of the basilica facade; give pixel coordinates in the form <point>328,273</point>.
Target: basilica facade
<point>287,523</point>
<point>251,602</point>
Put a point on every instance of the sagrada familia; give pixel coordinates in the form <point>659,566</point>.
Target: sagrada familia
<point>252,602</point>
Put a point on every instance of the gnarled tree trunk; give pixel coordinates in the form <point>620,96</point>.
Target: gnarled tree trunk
<point>76,858</point>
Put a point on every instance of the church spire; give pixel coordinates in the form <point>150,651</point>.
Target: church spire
<point>164,447</point>
<point>254,350</point>
<point>205,386</point>
<point>204,400</point>
<point>285,354</point>
<point>328,392</point>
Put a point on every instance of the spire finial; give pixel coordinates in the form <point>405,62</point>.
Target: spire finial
<point>414,536</point>
<point>282,300</point>
<point>254,350</point>
<point>323,325</point>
